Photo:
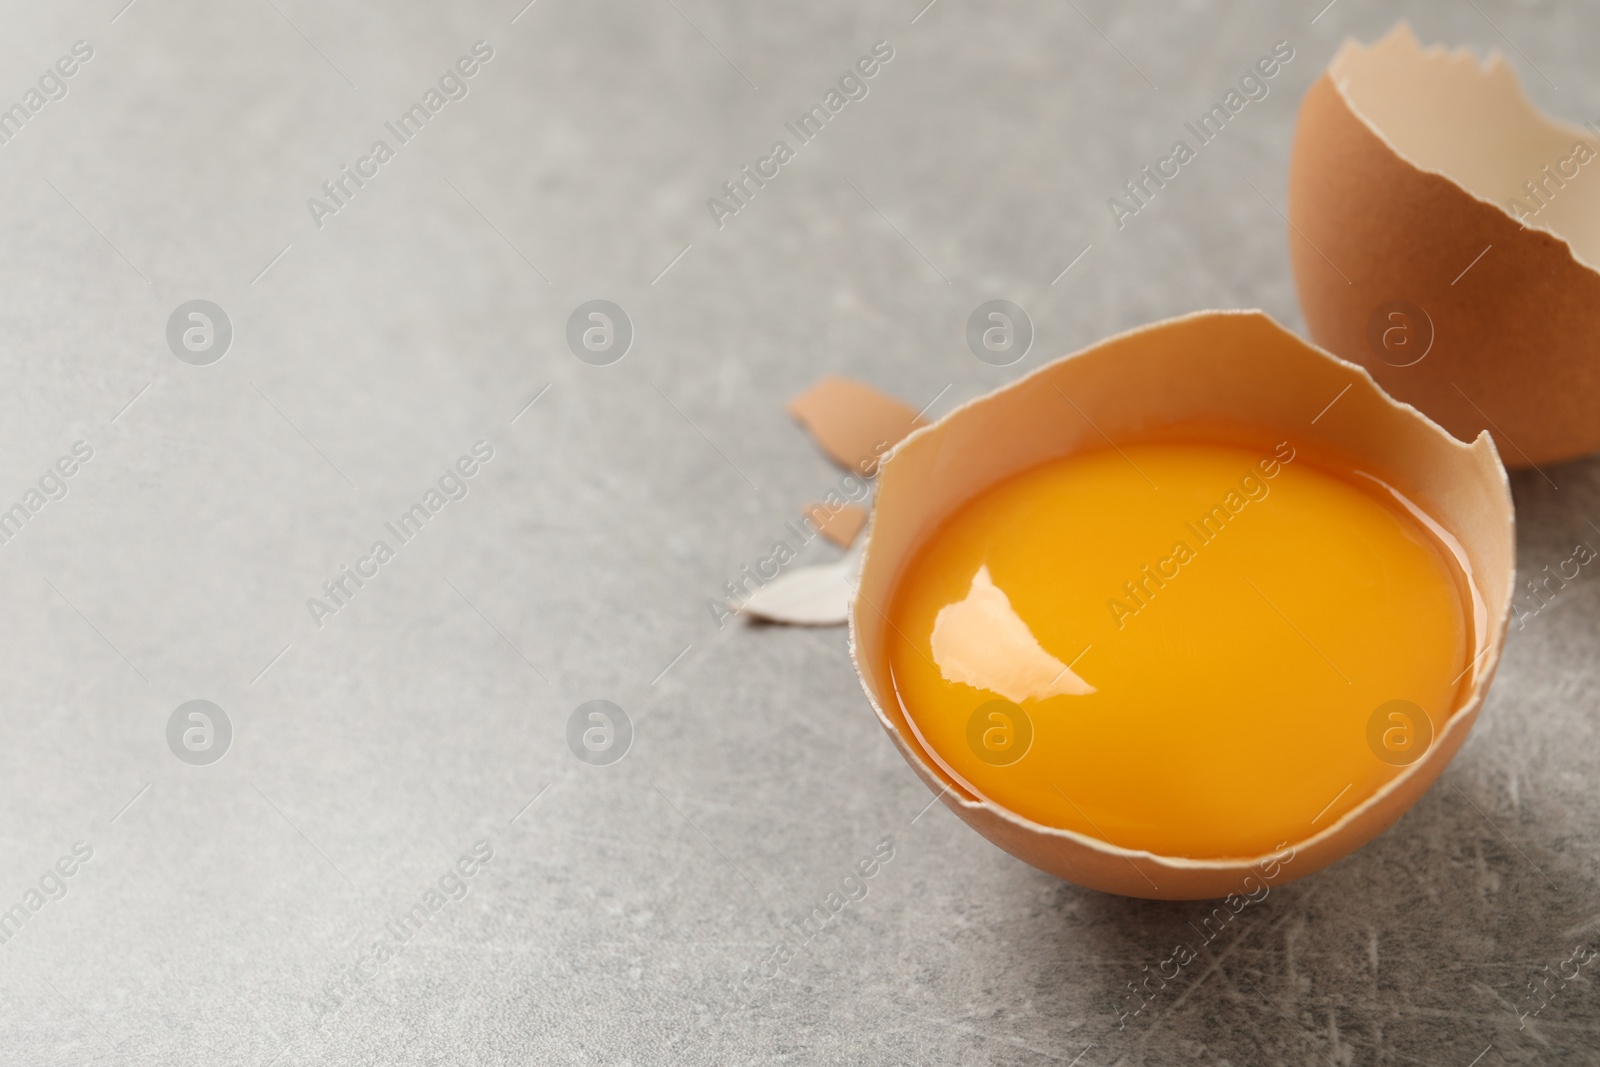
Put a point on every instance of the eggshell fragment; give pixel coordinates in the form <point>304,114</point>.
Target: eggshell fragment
<point>838,524</point>
<point>819,595</point>
<point>1410,170</point>
<point>1217,366</point>
<point>853,422</point>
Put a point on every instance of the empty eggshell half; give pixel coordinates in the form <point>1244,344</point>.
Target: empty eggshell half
<point>1446,236</point>
<point>1237,367</point>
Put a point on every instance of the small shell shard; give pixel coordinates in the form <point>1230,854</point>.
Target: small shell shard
<point>808,596</point>
<point>853,422</point>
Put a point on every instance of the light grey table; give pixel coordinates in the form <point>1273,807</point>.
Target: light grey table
<point>228,912</point>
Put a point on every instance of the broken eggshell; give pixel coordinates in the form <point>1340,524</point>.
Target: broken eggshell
<point>854,424</point>
<point>1446,236</point>
<point>1233,367</point>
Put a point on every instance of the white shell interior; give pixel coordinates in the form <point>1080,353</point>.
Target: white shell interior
<point>1448,113</point>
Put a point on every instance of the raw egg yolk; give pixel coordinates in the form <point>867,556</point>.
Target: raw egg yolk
<point>1195,649</point>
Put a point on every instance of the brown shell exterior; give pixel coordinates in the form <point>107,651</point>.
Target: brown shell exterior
<point>1516,346</point>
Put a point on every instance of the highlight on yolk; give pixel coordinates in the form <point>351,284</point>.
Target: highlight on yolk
<point>1194,648</point>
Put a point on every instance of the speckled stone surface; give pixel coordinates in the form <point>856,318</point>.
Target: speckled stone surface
<point>320,894</point>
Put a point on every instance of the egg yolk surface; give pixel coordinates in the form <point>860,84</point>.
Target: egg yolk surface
<point>1196,649</point>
